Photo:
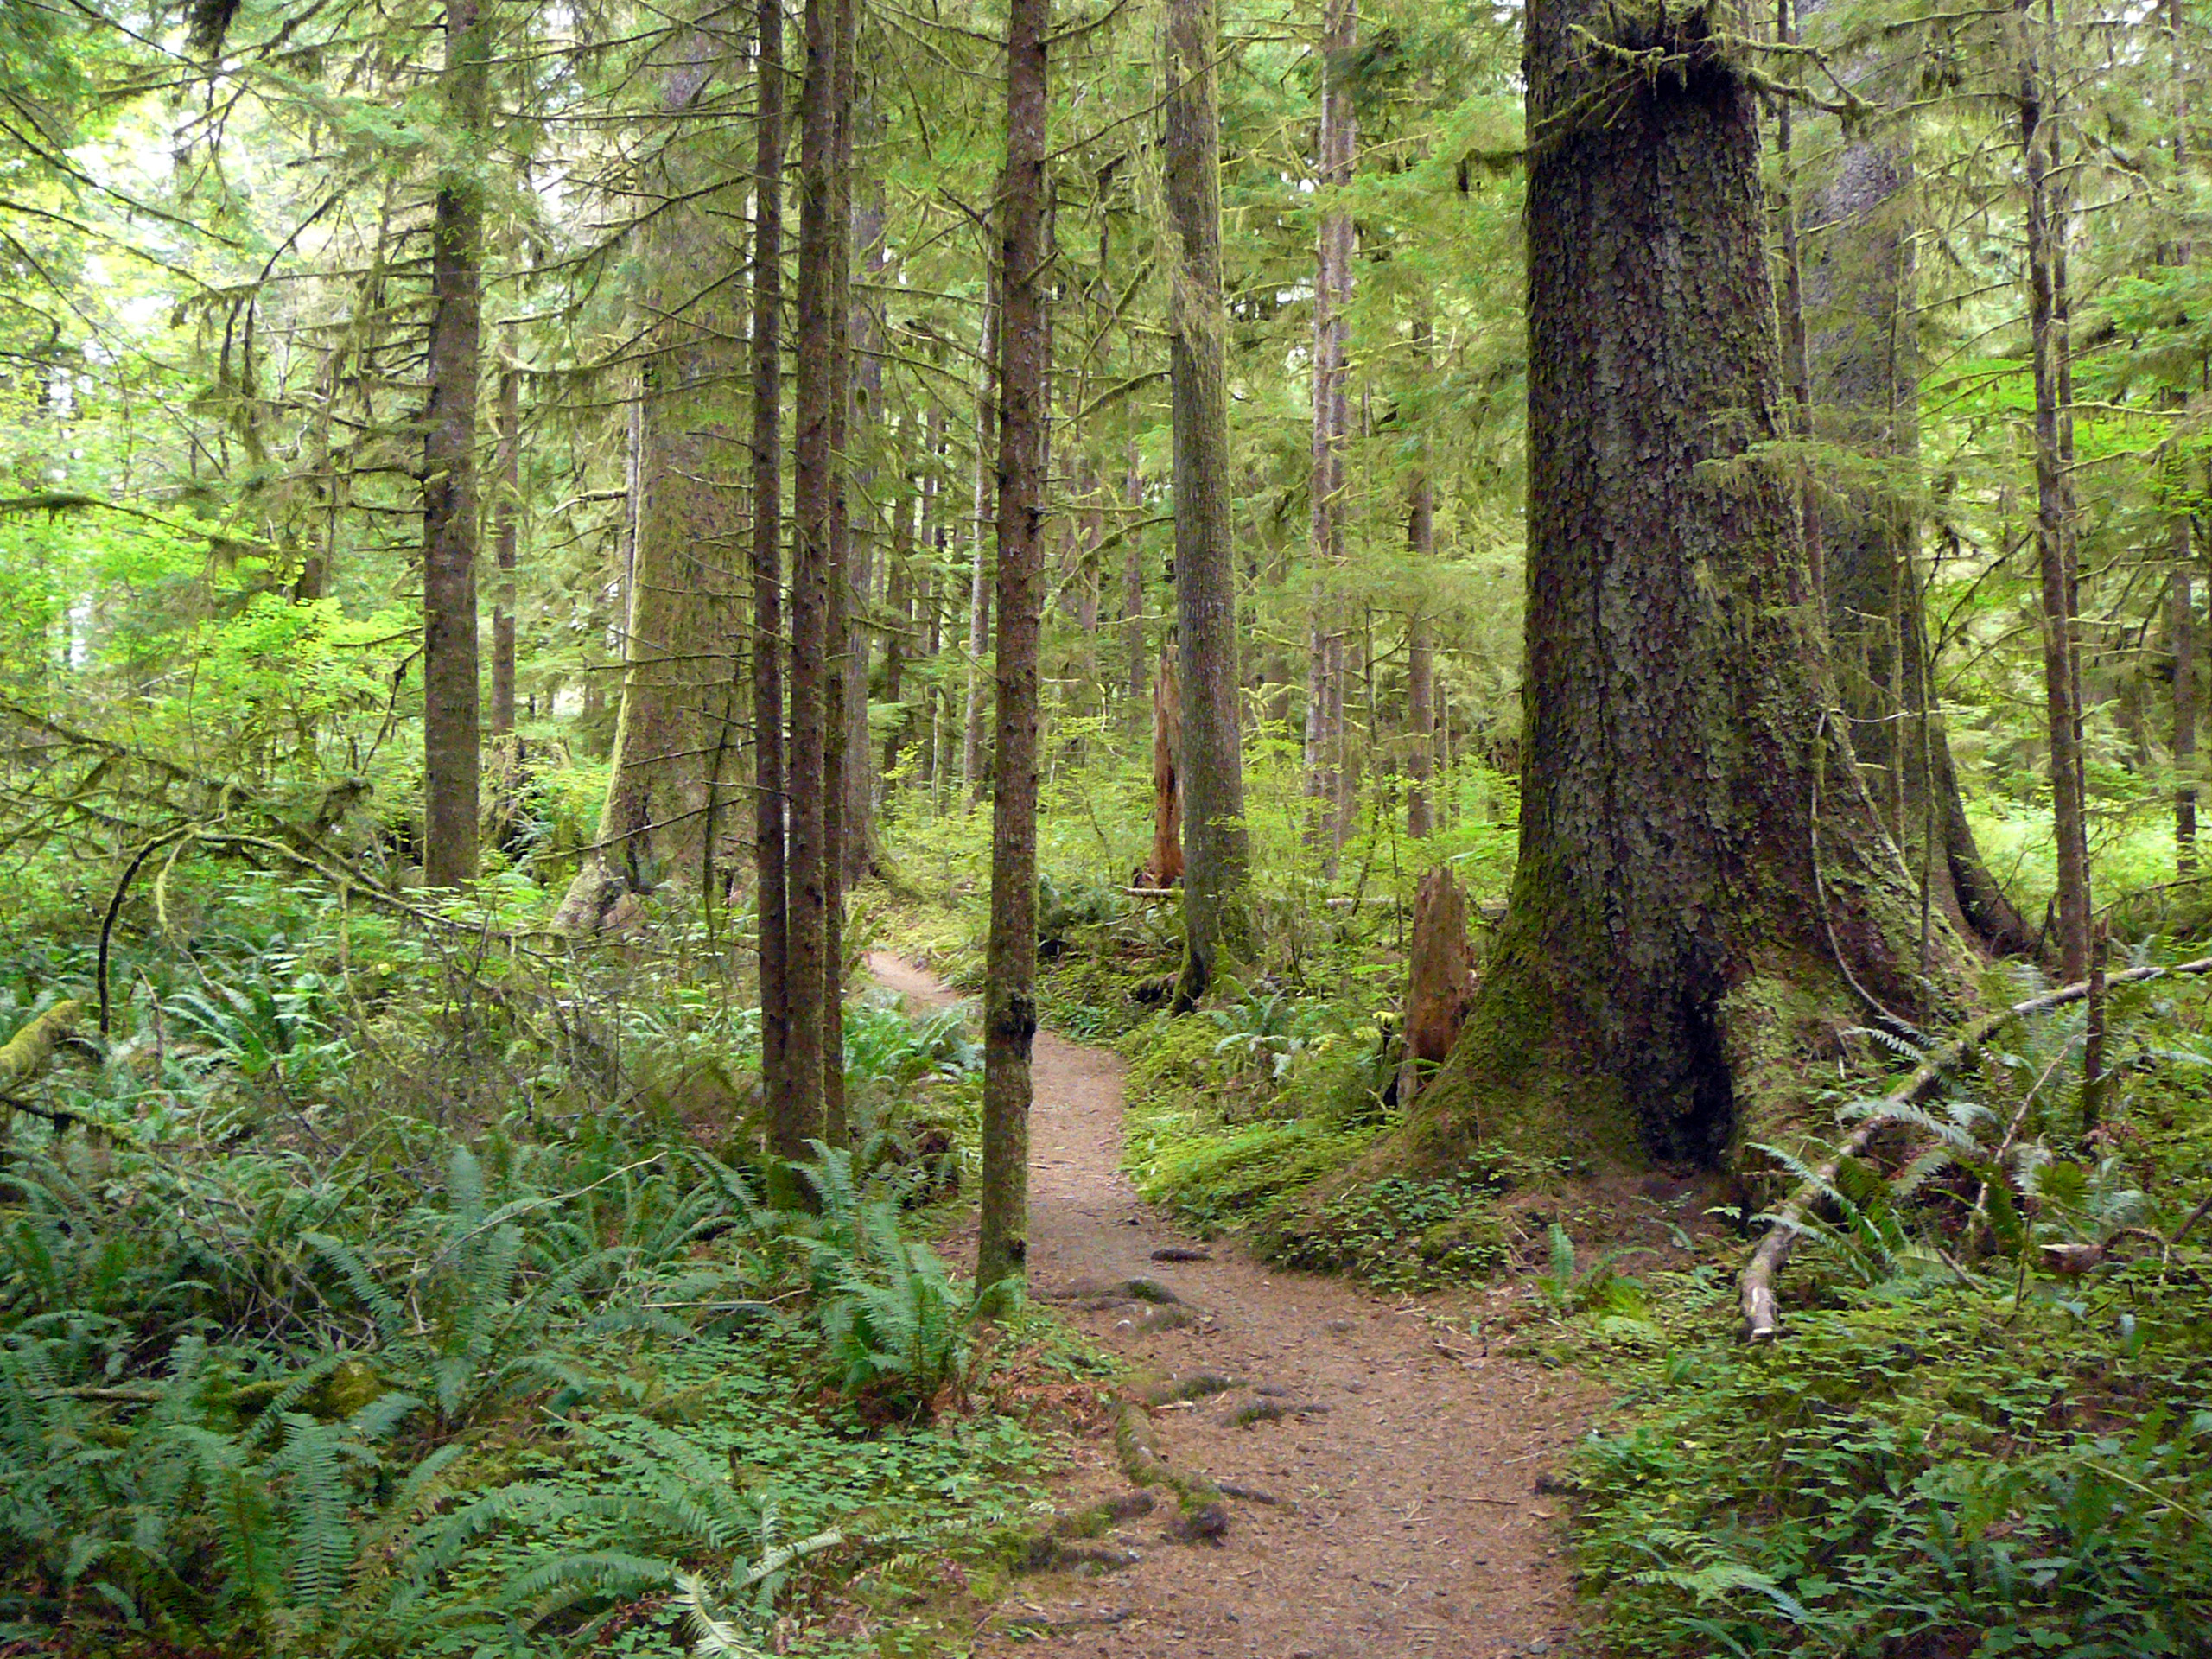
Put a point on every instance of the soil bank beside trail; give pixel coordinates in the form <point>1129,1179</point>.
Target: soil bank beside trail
<point>1403,1458</point>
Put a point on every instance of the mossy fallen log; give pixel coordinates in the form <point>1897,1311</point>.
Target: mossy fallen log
<point>25,1054</point>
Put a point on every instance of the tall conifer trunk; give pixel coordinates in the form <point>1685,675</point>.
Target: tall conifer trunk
<point>1325,739</point>
<point>768,796</point>
<point>451,741</point>
<point>1703,877</point>
<point>1010,984</point>
<point>813,461</point>
<point>1216,920</point>
<point>1865,384</point>
<point>2062,665</point>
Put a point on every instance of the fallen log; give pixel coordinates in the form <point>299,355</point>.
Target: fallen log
<point>25,1054</point>
<point>1755,1288</point>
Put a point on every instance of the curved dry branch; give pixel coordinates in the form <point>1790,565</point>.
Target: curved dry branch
<point>1755,1288</point>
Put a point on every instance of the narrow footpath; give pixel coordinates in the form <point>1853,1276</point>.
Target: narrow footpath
<point>1403,1463</point>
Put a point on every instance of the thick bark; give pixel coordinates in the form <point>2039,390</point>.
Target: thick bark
<point>785,1127</point>
<point>1865,383</point>
<point>1216,920</point>
<point>813,464</point>
<point>506,513</point>
<point>1010,983</point>
<point>1702,879</point>
<point>451,740</point>
<point>672,732</point>
<point>2061,667</point>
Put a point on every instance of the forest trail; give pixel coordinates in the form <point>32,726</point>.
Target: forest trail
<point>1403,1459</point>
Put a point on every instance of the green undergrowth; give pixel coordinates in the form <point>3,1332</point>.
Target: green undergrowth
<point>1937,1474</point>
<point>338,1322</point>
<point>1986,1427</point>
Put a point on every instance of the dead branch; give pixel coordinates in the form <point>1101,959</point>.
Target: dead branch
<point>1755,1288</point>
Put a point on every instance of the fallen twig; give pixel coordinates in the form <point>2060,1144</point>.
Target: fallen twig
<point>1755,1288</point>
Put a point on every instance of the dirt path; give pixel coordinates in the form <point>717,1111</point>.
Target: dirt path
<point>1407,1523</point>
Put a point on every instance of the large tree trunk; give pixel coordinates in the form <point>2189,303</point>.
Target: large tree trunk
<point>785,1126</point>
<point>1216,919</point>
<point>677,684</point>
<point>1701,875</point>
<point>450,740</point>
<point>1865,383</point>
<point>814,459</point>
<point>1010,983</point>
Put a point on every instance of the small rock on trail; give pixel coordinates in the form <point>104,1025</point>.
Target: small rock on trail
<point>1390,1514</point>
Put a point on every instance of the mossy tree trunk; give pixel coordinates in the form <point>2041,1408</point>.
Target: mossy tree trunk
<point>1865,379</point>
<point>1701,874</point>
<point>663,787</point>
<point>1217,850</point>
<point>451,739</point>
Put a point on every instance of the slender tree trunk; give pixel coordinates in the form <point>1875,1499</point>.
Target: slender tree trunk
<point>899,601</point>
<point>2180,608</point>
<point>787,1126</point>
<point>1333,162</point>
<point>979,597</point>
<point>813,484</point>
<point>1421,651</point>
<point>2061,661</point>
<point>506,513</point>
<point>1216,920</point>
<point>1700,870</point>
<point>837,757</point>
<point>451,744</point>
<point>1135,648</point>
<point>1010,984</point>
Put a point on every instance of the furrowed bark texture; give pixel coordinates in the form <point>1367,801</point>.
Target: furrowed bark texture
<point>768,567</point>
<point>1216,923</point>
<point>451,739</point>
<point>678,680</point>
<point>1669,958</point>
<point>1010,983</point>
<point>1865,381</point>
<point>806,872</point>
